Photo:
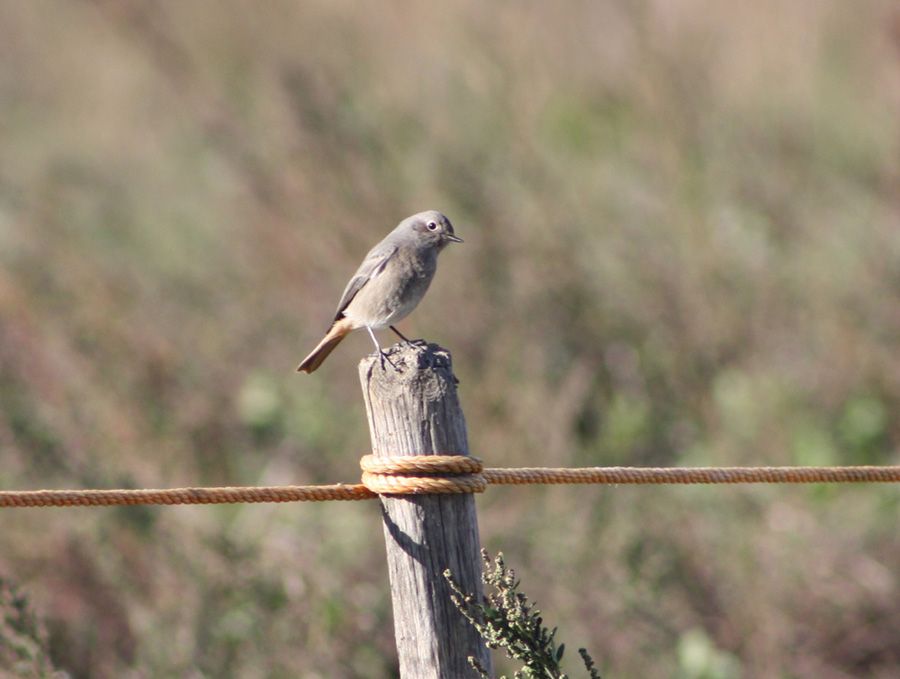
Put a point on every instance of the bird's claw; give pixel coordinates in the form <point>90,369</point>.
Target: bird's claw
<point>384,357</point>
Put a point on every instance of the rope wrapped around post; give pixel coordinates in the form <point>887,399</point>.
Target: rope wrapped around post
<point>423,474</point>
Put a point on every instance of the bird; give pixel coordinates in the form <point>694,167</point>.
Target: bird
<point>389,283</point>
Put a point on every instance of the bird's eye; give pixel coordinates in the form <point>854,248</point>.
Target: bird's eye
<point>432,226</point>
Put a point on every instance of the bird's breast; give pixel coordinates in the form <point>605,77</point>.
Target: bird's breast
<point>393,293</point>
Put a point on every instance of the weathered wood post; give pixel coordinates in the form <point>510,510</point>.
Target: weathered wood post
<point>415,411</point>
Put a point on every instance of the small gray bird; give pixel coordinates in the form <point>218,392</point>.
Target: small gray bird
<point>389,283</point>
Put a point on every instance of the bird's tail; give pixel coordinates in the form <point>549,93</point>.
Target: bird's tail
<point>338,331</point>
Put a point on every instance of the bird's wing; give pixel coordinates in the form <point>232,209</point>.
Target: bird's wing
<point>372,265</point>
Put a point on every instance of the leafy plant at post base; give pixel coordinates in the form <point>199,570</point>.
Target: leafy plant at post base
<point>23,638</point>
<point>505,619</point>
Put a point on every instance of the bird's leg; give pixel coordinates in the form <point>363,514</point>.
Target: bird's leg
<point>378,348</point>
<point>418,343</point>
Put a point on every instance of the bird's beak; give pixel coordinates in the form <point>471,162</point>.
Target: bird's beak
<point>453,237</point>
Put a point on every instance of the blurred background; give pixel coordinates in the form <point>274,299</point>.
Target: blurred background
<point>682,226</point>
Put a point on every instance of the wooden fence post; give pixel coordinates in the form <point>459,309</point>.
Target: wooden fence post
<point>415,411</point>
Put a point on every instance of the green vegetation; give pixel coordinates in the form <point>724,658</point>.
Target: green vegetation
<point>682,247</point>
<point>506,620</point>
<point>23,639</point>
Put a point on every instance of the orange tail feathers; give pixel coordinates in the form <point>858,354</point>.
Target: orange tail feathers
<point>335,334</point>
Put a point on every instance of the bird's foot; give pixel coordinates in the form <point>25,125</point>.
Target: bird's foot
<point>420,343</point>
<point>383,357</point>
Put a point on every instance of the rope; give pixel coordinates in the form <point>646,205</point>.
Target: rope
<point>182,496</point>
<point>442,474</point>
<point>423,474</point>
<point>685,475</point>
